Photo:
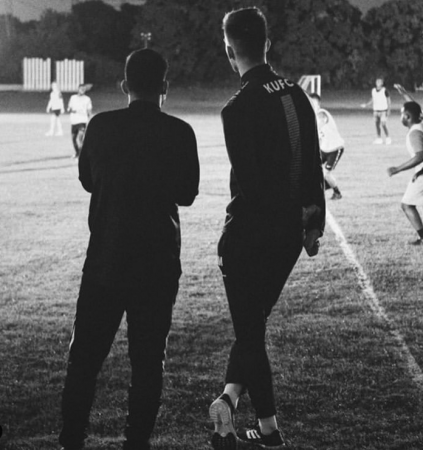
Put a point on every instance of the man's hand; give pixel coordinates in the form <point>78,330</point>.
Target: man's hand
<point>311,242</point>
<point>308,212</point>
<point>399,88</point>
<point>392,171</point>
<point>416,175</point>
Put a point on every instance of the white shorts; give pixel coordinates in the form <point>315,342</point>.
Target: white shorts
<point>414,192</point>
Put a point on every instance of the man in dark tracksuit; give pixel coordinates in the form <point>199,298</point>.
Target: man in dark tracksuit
<point>276,185</point>
<point>139,164</point>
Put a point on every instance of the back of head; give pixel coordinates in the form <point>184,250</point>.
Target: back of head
<point>247,30</point>
<point>414,109</point>
<point>145,71</point>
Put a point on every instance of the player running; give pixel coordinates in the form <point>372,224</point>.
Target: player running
<point>80,108</point>
<point>381,101</point>
<point>331,144</point>
<point>411,117</point>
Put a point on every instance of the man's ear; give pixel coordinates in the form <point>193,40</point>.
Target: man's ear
<point>165,87</point>
<point>124,87</point>
<point>268,45</point>
<point>230,51</point>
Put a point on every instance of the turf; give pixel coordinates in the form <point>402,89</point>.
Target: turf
<point>341,379</point>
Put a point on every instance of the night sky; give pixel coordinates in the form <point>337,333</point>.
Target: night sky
<point>32,9</point>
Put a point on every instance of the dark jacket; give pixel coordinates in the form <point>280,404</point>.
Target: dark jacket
<point>139,164</point>
<point>272,143</point>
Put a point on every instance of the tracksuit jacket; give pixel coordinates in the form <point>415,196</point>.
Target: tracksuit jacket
<point>139,164</point>
<point>272,142</point>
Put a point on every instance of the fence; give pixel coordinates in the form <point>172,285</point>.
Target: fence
<point>37,74</point>
<point>69,74</point>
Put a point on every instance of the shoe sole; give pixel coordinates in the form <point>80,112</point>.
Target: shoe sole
<point>245,444</point>
<point>224,437</point>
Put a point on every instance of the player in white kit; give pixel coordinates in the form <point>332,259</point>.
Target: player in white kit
<point>331,144</point>
<point>411,117</point>
<point>381,101</point>
<point>55,107</point>
<point>80,108</point>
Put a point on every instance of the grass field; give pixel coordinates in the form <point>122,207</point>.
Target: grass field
<point>347,365</point>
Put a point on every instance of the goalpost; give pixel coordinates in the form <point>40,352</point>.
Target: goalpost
<point>311,83</point>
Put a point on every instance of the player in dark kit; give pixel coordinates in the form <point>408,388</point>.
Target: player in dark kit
<point>276,185</point>
<point>139,164</point>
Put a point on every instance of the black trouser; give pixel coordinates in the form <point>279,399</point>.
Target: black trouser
<point>76,140</point>
<point>254,277</point>
<point>99,312</point>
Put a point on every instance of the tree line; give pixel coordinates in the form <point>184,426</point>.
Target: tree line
<point>327,37</point>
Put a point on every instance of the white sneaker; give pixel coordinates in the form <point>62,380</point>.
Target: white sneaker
<point>378,141</point>
<point>388,141</point>
<point>59,133</point>
<point>222,415</point>
<point>49,133</point>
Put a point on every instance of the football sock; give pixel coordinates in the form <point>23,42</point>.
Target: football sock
<point>268,425</point>
<point>420,233</point>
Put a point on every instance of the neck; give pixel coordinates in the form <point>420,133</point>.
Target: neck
<point>245,65</point>
<point>145,97</point>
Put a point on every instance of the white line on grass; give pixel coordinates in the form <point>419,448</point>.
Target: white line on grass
<point>410,363</point>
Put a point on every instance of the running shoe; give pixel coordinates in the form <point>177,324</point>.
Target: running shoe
<point>336,196</point>
<point>274,441</point>
<point>388,141</point>
<point>222,413</point>
<point>416,242</point>
<point>378,141</point>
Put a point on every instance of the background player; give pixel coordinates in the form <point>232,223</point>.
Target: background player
<point>331,144</point>
<point>80,108</point>
<point>56,107</point>
<point>413,197</point>
<point>381,101</point>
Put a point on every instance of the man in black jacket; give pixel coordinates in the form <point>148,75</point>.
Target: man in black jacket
<point>277,207</point>
<point>139,164</point>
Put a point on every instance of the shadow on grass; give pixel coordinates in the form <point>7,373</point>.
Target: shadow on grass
<point>39,169</point>
<point>30,161</point>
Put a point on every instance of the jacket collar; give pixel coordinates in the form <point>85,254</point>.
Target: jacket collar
<point>255,72</point>
<point>141,105</point>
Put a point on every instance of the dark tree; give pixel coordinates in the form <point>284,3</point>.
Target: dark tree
<point>96,29</point>
<point>317,37</point>
<point>189,34</point>
<point>394,38</point>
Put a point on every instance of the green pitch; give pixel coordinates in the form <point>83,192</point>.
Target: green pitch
<point>342,376</point>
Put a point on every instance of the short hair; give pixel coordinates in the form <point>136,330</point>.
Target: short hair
<point>145,71</point>
<point>414,109</point>
<point>247,28</point>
